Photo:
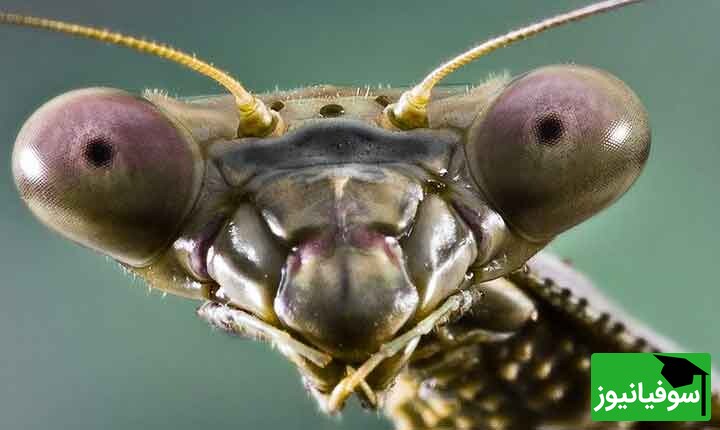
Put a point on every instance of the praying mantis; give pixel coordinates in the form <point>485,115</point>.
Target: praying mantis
<point>583,24</point>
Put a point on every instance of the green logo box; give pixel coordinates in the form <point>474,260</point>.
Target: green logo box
<point>650,387</point>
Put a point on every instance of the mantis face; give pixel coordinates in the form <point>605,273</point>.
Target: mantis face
<point>294,271</point>
<point>331,231</point>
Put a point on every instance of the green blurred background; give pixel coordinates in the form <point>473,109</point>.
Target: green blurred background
<point>85,347</point>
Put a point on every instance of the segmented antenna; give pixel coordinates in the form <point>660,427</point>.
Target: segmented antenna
<point>255,118</point>
<point>410,111</point>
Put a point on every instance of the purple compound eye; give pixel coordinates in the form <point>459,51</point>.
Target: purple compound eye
<point>108,170</point>
<point>558,145</point>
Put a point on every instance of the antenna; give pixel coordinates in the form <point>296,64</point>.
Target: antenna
<point>410,111</point>
<point>255,118</point>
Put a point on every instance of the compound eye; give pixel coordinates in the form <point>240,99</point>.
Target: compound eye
<point>108,170</point>
<point>556,146</point>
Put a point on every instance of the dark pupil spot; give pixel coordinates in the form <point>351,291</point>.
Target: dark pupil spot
<point>331,110</point>
<point>99,152</point>
<point>549,130</point>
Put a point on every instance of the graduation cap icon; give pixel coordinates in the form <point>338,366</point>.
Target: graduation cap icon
<point>680,372</point>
